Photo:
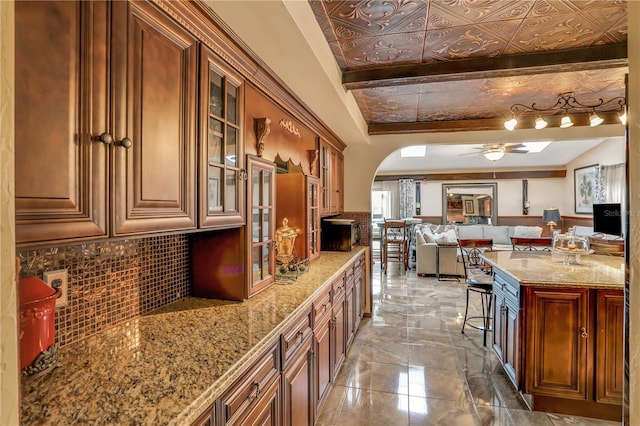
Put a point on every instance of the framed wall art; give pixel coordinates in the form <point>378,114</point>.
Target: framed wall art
<point>584,188</point>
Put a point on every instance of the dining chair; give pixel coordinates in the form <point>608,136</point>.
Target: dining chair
<point>478,277</point>
<point>395,244</point>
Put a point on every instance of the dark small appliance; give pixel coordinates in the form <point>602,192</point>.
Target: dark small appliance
<point>339,234</point>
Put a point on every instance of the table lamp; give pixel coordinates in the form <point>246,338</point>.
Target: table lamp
<point>551,217</point>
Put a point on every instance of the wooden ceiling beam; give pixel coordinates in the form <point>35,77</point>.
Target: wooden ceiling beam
<point>524,174</point>
<point>578,59</point>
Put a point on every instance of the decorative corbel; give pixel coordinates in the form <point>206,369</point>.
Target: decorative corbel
<point>313,160</point>
<point>262,131</point>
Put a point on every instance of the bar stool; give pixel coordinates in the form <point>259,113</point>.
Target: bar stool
<point>395,244</point>
<point>478,279</point>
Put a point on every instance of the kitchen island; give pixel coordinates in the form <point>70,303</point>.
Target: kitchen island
<point>171,365</point>
<point>558,330</point>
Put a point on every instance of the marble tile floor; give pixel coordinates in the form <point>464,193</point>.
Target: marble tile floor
<point>410,365</point>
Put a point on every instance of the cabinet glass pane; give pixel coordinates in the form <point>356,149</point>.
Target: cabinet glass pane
<point>266,188</point>
<point>230,199</point>
<point>255,225</point>
<point>256,268</point>
<point>232,103</point>
<point>214,144</point>
<point>232,146</point>
<point>216,100</point>
<point>214,189</point>
<point>265,259</point>
<point>266,224</point>
<point>256,188</point>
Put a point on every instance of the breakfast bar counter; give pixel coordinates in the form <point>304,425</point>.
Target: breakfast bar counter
<point>546,269</point>
<point>558,330</point>
<point>167,366</point>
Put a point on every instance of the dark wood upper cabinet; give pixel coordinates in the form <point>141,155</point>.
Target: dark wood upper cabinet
<point>60,106</point>
<point>105,121</point>
<point>221,195</point>
<point>154,81</point>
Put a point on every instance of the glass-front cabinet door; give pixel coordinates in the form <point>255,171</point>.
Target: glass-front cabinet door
<point>221,148</point>
<point>313,219</point>
<point>261,225</point>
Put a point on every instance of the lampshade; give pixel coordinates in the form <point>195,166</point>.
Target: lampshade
<point>510,124</point>
<point>551,215</point>
<point>566,122</point>
<point>494,155</point>
<point>541,123</point>
<point>595,120</point>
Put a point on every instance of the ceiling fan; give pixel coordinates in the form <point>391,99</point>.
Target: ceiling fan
<point>495,151</point>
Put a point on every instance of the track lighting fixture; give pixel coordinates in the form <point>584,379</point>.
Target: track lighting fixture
<point>568,104</point>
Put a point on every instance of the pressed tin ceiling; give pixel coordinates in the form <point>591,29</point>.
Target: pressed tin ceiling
<point>445,65</point>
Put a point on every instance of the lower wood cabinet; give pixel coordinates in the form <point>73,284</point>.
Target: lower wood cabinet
<point>322,346</point>
<point>572,349</point>
<point>290,381</point>
<point>610,349</point>
<point>255,397</point>
<point>298,406</point>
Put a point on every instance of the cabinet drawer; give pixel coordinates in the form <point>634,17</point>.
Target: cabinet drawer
<point>338,288</point>
<point>294,337</point>
<point>245,393</point>
<point>509,289</point>
<point>322,306</point>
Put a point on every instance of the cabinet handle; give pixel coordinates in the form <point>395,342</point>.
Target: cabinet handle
<point>255,394</point>
<point>583,332</point>
<point>105,138</point>
<point>125,143</point>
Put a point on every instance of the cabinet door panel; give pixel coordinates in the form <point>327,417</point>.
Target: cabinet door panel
<point>60,104</point>
<point>558,332</point>
<point>221,196</point>
<point>339,337</point>
<point>322,350</point>
<point>298,388</point>
<point>154,94</point>
<point>609,346</point>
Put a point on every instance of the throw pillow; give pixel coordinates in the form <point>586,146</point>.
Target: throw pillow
<point>527,231</point>
<point>451,236</point>
<point>428,235</point>
<point>420,238</point>
<point>440,238</point>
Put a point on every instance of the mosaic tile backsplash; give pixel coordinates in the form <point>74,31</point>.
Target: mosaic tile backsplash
<point>113,281</point>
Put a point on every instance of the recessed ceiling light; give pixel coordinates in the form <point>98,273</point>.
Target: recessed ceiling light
<point>413,151</point>
<point>536,146</point>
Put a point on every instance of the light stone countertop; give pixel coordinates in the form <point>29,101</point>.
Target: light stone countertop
<point>547,269</point>
<point>168,366</point>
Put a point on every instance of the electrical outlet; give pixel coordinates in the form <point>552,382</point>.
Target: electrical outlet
<point>58,280</point>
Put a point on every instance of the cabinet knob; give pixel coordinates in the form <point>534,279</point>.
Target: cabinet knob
<point>583,332</point>
<point>105,138</point>
<point>125,143</point>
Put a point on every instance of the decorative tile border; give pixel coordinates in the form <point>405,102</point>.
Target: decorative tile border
<point>113,281</point>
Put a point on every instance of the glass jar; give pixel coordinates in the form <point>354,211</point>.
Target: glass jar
<point>572,246</point>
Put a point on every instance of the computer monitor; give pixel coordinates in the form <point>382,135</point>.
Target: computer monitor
<point>607,219</point>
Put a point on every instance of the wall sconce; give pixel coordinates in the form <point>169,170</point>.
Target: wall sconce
<point>525,197</point>
<point>565,105</point>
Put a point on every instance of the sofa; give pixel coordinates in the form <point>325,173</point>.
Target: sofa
<point>428,236</point>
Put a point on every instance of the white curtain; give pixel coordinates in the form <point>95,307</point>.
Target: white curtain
<point>611,184</point>
<point>407,195</point>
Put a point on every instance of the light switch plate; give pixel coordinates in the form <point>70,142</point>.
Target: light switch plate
<point>58,279</point>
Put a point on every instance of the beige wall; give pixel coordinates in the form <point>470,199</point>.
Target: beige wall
<point>9,379</point>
